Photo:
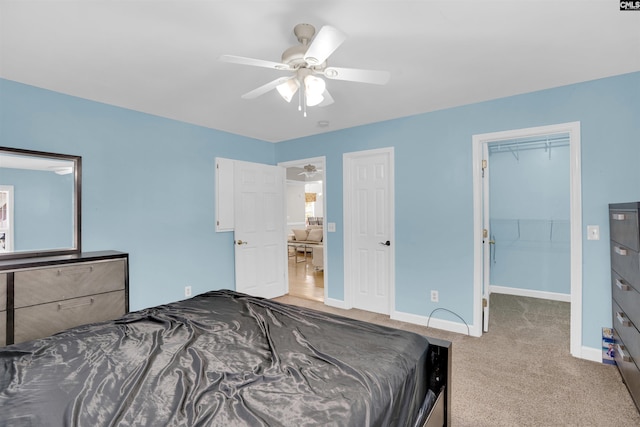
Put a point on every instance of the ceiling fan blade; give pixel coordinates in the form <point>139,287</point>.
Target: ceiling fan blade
<point>266,88</point>
<point>254,62</point>
<point>328,99</point>
<point>357,75</point>
<point>324,44</point>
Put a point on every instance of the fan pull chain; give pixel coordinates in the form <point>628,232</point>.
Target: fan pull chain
<point>304,104</point>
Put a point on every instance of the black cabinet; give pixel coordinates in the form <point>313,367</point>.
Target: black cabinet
<point>625,292</point>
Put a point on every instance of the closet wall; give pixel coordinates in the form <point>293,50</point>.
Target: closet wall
<point>529,214</point>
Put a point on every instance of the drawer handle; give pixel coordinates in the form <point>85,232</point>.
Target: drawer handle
<point>77,270</point>
<point>622,319</point>
<point>62,306</point>
<point>617,217</point>
<point>623,286</point>
<point>624,356</point>
<point>620,251</point>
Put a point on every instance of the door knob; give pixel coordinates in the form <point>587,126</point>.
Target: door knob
<point>387,243</point>
<point>240,242</point>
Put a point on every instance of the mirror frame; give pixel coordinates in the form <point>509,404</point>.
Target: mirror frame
<point>77,204</point>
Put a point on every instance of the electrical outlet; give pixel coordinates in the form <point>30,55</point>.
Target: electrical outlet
<point>187,291</point>
<point>434,296</point>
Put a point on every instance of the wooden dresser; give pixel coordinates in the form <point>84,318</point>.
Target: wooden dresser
<point>625,286</point>
<point>44,295</point>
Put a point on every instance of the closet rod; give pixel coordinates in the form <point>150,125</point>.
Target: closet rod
<point>514,146</point>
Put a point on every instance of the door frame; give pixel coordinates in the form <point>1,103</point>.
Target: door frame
<point>347,162</point>
<point>479,143</point>
<point>321,160</point>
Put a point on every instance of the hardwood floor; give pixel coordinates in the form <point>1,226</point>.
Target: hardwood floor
<point>304,280</point>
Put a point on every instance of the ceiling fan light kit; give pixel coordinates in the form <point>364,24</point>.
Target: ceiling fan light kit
<point>288,89</point>
<point>308,61</point>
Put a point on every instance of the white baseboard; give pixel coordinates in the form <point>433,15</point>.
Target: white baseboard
<point>335,303</point>
<point>432,322</point>
<point>554,296</point>
<point>592,354</point>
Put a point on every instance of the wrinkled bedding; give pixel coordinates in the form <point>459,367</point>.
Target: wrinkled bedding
<point>219,359</point>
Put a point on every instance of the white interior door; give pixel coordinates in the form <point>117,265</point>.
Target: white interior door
<point>369,208</point>
<point>260,252</point>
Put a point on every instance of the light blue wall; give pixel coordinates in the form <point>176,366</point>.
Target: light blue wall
<point>42,208</point>
<point>148,185</point>
<point>433,182</point>
<point>529,211</point>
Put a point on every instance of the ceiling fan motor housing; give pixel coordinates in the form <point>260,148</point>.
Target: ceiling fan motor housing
<point>304,32</point>
<point>295,55</point>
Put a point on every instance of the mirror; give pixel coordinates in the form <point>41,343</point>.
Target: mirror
<point>39,203</point>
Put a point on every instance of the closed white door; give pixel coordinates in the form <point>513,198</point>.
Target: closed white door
<point>260,252</point>
<point>369,255</point>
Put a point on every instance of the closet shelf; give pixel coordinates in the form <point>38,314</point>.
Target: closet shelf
<point>535,230</point>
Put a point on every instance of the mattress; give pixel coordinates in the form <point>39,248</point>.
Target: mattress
<point>219,359</point>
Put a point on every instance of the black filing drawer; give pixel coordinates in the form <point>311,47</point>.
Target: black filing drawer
<point>624,227</point>
<point>625,291</point>
<point>626,296</point>
<point>626,262</point>
<point>627,331</point>
<point>628,369</point>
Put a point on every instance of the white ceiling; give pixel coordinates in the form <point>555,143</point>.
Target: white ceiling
<point>161,57</point>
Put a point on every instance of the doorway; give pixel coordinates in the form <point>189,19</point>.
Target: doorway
<point>305,230</point>
<point>484,243</point>
<point>6,218</point>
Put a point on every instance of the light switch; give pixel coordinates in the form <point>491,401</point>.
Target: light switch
<point>331,227</point>
<point>593,232</point>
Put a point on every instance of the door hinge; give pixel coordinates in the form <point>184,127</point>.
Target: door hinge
<point>484,166</point>
<point>484,303</point>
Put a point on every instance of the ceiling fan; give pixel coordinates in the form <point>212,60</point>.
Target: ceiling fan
<point>307,63</point>
<point>310,170</point>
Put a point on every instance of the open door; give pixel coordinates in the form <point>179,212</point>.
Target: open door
<point>260,252</point>
<point>487,240</point>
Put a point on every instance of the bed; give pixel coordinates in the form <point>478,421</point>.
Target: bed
<point>224,358</point>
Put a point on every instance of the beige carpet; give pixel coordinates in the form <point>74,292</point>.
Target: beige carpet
<point>521,372</point>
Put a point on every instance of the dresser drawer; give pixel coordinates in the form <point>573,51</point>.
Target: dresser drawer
<point>47,319</point>
<point>626,262</point>
<point>3,328</point>
<point>626,296</point>
<point>45,285</point>
<point>627,331</point>
<point>624,228</point>
<point>3,292</point>
<point>629,371</point>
